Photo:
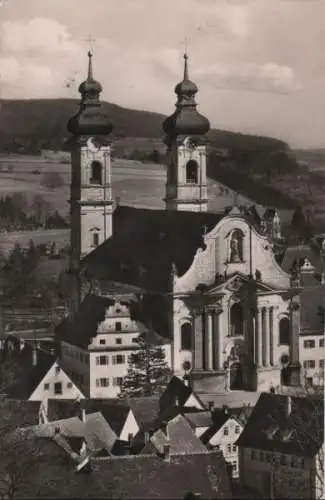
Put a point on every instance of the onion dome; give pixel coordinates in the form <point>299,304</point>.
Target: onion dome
<point>90,119</point>
<point>186,120</point>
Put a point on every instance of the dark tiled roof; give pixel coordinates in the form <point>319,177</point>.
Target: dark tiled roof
<point>114,414</point>
<point>80,329</point>
<point>145,409</point>
<point>175,394</point>
<point>59,409</point>
<point>148,476</point>
<point>298,253</point>
<point>181,437</point>
<point>31,375</point>
<point>199,418</point>
<point>312,300</point>
<point>146,243</point>
<point>233,399</point>
<point>271,427</point>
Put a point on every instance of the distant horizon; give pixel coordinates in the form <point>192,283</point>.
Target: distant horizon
<point>258,64</point>
<point>256,134</point>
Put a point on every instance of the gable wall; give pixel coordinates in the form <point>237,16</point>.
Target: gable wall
<point>52,377</point>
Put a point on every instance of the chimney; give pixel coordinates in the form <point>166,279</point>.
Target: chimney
<point>176,401</point>
<point>82,415</point>
<point>166,451</point>
<point>289,405</point>
<point>211,405</point>
<point>34,358</point>
<point>225,409</point>
<point>186,380</point>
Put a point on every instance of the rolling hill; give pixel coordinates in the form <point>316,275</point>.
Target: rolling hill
<point>41,123</point>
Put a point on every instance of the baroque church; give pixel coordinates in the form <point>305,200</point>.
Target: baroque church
<point>207,281</point>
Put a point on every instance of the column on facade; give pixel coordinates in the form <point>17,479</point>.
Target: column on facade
<point>271,313</point>
<point>217,332</point>
<point>259,337</point>
<point>209,364</point>
<point>198,341</point>
<point>267,336</point>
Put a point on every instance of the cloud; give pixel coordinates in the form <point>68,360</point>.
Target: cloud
<point>259,64</point>
<point>269,77</point>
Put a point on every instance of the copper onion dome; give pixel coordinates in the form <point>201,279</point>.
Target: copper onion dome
<point>186,120</point>
<point>91,118</point>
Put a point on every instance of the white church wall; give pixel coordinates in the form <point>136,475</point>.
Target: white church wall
<point>215,258</point>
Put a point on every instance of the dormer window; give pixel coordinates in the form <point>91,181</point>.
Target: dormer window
<point>192,169</point>
<point>96,173</point>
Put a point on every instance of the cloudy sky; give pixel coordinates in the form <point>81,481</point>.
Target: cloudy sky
<point>259,64</point>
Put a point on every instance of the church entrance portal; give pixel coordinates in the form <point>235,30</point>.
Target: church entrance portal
<point>236,377</point>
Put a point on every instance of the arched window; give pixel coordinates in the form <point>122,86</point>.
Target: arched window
<point>236,246</point>
<point>186,336</point>
<point>236,320</point>
<point>96,173</point>
<point>192,169</point>
<point>284,331</point>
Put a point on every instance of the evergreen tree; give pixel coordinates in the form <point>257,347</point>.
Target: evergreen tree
<point>148,373</point>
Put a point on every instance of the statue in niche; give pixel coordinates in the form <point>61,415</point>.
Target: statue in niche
<point>236,246</point>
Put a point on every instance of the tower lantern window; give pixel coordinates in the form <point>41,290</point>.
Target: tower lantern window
<point>192,172</point>
<point>96,173</point>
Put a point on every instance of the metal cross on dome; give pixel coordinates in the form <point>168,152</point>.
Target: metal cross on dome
<point>90,42</point>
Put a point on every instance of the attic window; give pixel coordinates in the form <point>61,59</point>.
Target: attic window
<point>57,369</point>
<point>271,432</point>
<point>287,434</point>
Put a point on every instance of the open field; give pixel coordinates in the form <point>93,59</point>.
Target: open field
<point>137,184</point>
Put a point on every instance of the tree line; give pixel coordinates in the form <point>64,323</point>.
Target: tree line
<point>14,214</point>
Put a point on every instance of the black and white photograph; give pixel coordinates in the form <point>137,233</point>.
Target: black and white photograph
<point>162,249</point>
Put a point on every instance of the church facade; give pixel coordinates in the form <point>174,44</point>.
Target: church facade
<point>207,281</point>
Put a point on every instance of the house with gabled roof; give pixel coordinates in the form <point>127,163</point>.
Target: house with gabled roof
<point>179,394</point>
<point>98,341</point>
<point>281,449</point>
<point>43,377</point>
<point>223,434</point>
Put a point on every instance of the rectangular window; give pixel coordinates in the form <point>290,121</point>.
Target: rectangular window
<point>102,360</point>
<point>237,429</point>
<point>225,431</point>
<point>46,387</point>
<point>229,448</point>
<point>95,239</point>
<point>135,340</point>
<point>104,382</point>
<point>117,381</point>
<point>69,385</point>
<point>309,363</point>
<point>234,448</point>
<point>321,342</point>
<point>118,359</point>
<point>309,344</point>
<point>321,363</point>
<point>102,341</point>
<point>118,341</point>
<point>118,326</point>
<point>58,388</point>
<point>234,466</point>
